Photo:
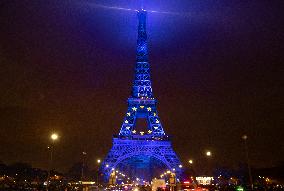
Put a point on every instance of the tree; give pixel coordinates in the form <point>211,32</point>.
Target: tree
<point>3,169</point>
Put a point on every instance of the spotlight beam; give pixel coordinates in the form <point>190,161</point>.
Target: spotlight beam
<point>111,7</point>
<point>185,14</point>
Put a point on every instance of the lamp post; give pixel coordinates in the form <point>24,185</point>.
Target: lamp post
<point>83,165</point>
<point>98,172</point>
<point>208,155</point>
<point>245,137</point>
<point>193,177</point>
<point>190,162</point>
<point>53,138</point>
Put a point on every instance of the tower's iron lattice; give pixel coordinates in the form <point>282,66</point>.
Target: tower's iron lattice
<point>130,145</point>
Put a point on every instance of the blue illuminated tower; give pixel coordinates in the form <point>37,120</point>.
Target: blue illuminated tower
<point>141,154</point>
<point>142,103</point>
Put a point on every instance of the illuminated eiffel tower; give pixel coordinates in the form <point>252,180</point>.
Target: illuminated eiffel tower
<point>141,154</point>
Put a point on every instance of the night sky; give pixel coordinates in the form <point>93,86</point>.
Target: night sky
<point>67,67</point>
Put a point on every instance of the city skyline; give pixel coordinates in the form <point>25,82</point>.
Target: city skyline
<point>68,68</point>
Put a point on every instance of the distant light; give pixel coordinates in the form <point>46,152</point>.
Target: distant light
<point>208,153</point>
<point>204,180</point>
<point>54,136</point>
<point>99,161</point>
<point>239,188</point>
<point>190,161</point>
<point>180,166</point>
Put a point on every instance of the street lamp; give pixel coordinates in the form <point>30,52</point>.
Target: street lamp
<point>190,161</point>
<point>83,164</point>
<point>98,163</point>
<point>245,137</point>
<point>53,137</point>
<point>208,154</point>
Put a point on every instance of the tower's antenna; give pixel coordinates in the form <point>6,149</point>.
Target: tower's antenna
<point>142,4</point>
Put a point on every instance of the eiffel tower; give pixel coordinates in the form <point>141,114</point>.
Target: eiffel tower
<point>146,154</point>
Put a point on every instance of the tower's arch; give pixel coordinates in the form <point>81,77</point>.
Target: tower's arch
<point>141,155</point>
<point>142,165</point>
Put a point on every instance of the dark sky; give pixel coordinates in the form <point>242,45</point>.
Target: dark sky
<point>67,66</point>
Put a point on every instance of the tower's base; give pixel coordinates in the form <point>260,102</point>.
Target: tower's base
<point>141,157</point>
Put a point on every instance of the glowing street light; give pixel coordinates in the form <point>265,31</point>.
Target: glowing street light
<point>54,136</point>
<point>190,161</point>
<point>208,153</point>
<point>99,161</point>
